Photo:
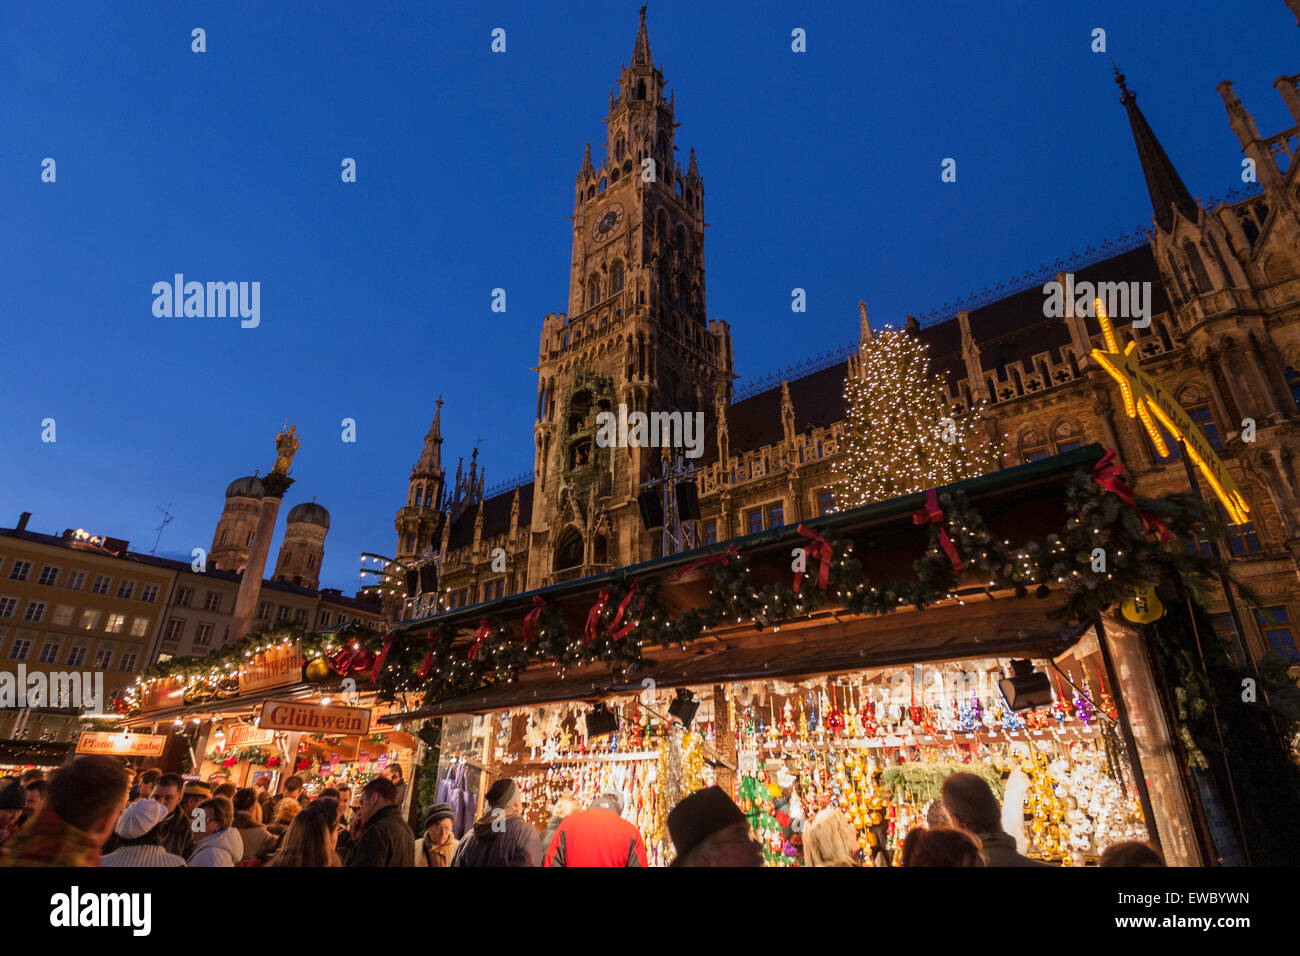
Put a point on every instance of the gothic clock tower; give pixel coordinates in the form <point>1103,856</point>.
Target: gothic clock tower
<point>636,332</point>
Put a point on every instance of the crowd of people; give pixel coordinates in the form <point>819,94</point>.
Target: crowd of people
<point>93,812</point>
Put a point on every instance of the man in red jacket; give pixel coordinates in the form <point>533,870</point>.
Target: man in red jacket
<point>598,836</point>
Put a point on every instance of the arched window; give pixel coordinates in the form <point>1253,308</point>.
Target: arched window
<point>640,90</point>
<point>1033,446</point>
<point>1199,275</point>
<point>616,278</point>
<point>593,290</point>
<point>568,550</point>
<point>1177,274</point>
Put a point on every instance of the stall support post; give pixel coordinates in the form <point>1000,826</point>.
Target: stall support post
<point>201,746</point>
<point>1130,742</point>
<point>290,757</point>
<point>724,741</point>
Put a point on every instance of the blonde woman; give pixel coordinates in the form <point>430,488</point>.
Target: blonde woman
<point>830,840</point>
<point>285,811</point>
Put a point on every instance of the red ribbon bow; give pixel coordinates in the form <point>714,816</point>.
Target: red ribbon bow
<point>426,665</point>
<point>933,514</point>
<point>381,659</point>
<point>621,632</point>
<point>479,637</point>
<point>1109,473</point>
<point>593,618</point>
<point>819,549</point>
<point>530,622</point>
<point>723,558</point>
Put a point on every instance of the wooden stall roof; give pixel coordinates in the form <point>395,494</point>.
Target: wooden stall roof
<point>828,644</point>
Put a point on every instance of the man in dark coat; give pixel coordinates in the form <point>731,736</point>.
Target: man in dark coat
<point>972,807</point>
<point>501,837</point>
<point>385,839</point>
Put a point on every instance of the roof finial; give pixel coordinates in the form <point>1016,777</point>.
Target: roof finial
<point>1119,80</point>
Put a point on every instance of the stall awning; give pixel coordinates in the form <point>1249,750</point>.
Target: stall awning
<point>826,649</point>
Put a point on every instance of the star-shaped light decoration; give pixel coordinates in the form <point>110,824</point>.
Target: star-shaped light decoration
<point>1145,400</point>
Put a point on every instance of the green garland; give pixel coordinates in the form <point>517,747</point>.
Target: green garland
<point>924,781</point>
<point>1134,558</point>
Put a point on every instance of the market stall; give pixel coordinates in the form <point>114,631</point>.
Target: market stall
<point>277,704</point>
<point>851,661</point>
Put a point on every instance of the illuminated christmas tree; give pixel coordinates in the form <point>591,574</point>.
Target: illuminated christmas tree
<point>900,435</point>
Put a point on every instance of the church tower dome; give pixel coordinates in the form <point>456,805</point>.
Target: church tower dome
<point>234,534</point>
<point>303,548</point>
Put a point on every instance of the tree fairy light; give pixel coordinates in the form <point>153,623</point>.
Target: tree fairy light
<point>900,435</point>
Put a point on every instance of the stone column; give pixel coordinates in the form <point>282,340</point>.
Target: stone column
<point>274,486</point>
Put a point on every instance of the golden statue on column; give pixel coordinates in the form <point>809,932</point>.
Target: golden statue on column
<point>286,445</point>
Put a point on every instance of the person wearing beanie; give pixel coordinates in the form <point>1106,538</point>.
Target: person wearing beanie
<point>139,834</point>
<point>597,836</point>
<point>438,844</point>
<point>708,829</point>
<point>501,837</point>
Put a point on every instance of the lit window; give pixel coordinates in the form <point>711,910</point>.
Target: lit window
<point>89,620</point>
<point>140,627</point>
<point>1202,416</point>
<point>63,615</point>
<point>1275,624</point>
<point>115,623</point>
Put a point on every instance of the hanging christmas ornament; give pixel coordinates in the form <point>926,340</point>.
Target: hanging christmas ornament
<point>1142,607</point>
<point>835,720</point>
<point>318,670</point>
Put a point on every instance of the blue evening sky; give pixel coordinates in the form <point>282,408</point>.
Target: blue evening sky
<point>821,171</point>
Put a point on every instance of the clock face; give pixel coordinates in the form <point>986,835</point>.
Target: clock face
<point>607,222</point>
